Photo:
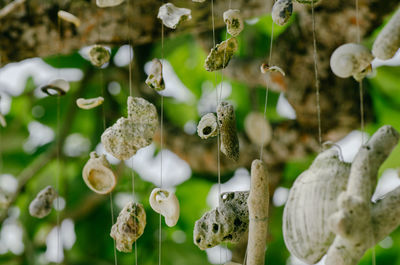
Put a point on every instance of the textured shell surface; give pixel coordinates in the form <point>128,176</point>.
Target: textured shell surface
<point>258,128</point>
<point>129,226</point>
<point>42,204</point>
<point>89,103</point>
<point>172,16</point>
<point>388,41</point>
<point>220,56</point>
<point>165,203</point>
<point>208,126</point>
<point>351,59</point>
<point>98,175</point>
<point>226,223</point>
<point>155,78</point>
<point>282,11</point>
<point>227,123</point>
<point>108,3</point>
<point>99,55</point>
<point>234,22</point>
<point>312,200</point>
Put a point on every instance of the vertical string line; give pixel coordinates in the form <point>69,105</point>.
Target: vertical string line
<point>112,222</point>
<point>360,83</point>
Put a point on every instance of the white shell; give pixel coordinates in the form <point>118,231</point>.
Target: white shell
<point>155,78</point>
<point>282,11</point>
<point>234,22</point>
<point>312,200</point>
<point>258,129</point>
<point>172,16</point>
<point>108,3</point>
<point>69,18</point>
<point>59,86</point>
<point>219,57</point>
<point>41,206</point>
<point>166,204</point>
<point>89,103</point>
<point>208,126</point>
<point>98,175</point>
<point>388,41</point>
<point>99,55</point>
<point>351,59</point>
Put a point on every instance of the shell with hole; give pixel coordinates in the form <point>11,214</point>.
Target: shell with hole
<point>351,59</point>
<point>42,204</point>
<point>129,226</point>
<point>219,57</point>
<point>208,126</point>
<point>234,22</point>
<point>56,87</point>
<point>89,103</point>
<point>227,126</point>
<point>312,200</point>
<point>388,41</point>
<point>99,55</point>
<point>166,204</point>
<point>98,175</point>
<point>258,129</point>
<point>282,11</point>
<point>172,16</point>
<point>155,78</point>
<point>108,3</point>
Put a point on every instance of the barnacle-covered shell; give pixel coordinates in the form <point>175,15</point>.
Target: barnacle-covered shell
<point>129,227</point>
<point>98,175</point>
<point>108,3</point>
<point>42,204</point>
<point>166,204</point>
<point>56,87</point>
<point>155,78</point>
<point>128,135</point>
<point>89,103</point>
<point>351,59</point>
<point>64,15</point>
<point>282,11</point>
<point>311,201</point>
<point>388,41</point>
<point>226,223</point>
<point>227,124</point>
<point>99,55</point>
<point>172,16</point>
<point>220,56</point>
<point>208,126</point>
<point>234,22</point>
<point>258,129</point>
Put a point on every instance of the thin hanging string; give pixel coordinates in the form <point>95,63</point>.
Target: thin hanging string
<point>317,88</point>
<point>360,83</point>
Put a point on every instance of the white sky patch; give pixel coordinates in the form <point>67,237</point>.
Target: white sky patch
<point>387,242</point>
<point>76,145</point>
<point>190,127</point>
<point>66,241</point>
<point>123,56</point>
<point>387,182</point>
<point>122,198</point>
<point>208,101</point>
<point>11,234</point>
<point>218,255</point>
<point>173,85</point>
<point>280,197</point>
<point>114,88</point>
<point>101,151</point>
<point>284,109</point>
<point>148,166</point>
<point>252,21</point>
<point>239,182</point>
<point>179,236</point>
<point>59,203</point>
<point>350,144</point>
<point>39,135</point>
<point>8,183</point>
<point>5,103</point>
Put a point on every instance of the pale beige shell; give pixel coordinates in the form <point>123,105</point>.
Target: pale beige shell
<point>312,200</point>
<point>208,126</point>
<point>155,78</point>
<point>129,226</point>
<point>282,11</point>
<point>220,56</point>
<point>166,204</point>
<point>267,69</point>
<point>351,59</point>
<point>108,3</point>
<point>227,124</point>
<point>98,175</point>
<point>258,129</point>
<point>234,22</point>
<point>41,206</point>
<point>69,18</point>
<point>172,16</point>
<point>89,103</point>
<point>99,55</point>
<point>388,41</point>
<point>56,87</point>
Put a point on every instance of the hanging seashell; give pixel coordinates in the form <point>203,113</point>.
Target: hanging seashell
<point>199,1</point>
<point>57,87</point>
<point>208,126</point>
<point>234,22</point>
<point>42,204</point>
<point>155,78</point>
<point>99,55</point>
<point>282,11</point>
<point>129,227</point>
<point>388,41</point>
<point>89,103</point>
<point>98,175</point>
<point>312,200</point>
<point>3,122</point>
<point>69,18</point>
<point>172,16</point>
<point>128,135</point>
<point>226,223</point>
<point>227,123</point>
<point>265,68</point>
<point>220,56</point>
<point>166,204</point>
<point>351,60</point>
<point>258,129</point>
<point>307,1</point>
<point>108,3</point>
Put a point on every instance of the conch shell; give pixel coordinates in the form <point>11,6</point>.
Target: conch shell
<point>98,175</point>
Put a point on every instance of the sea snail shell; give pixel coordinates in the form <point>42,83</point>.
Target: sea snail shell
<point>166,204</point>
<point>208,126</point>
<point>172,16</point>
<point>99,55</point>
<point>155,78</point>
<point>312,200</point>
<point>351,60</point>
<point>42,204</point>
<point>98,175</point>
<point>234,22</point>
<point>219,57</point>
<point>56,87</point>
<point>282,11</point>
<point>227,123</point>
<point>388,41</point>
<point>89,103</point>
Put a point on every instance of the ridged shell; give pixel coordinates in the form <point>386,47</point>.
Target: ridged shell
<point>388,41</point>
<point>311,201</point>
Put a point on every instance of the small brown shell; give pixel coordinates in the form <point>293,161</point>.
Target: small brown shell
<point>41,206</point>
<point>172,16</point>
<point>220,56</point>
<point>234,22</point>
<point>98,175</point>
<point>166,204</point>
<point>208,126</point>
<point>388,41</point>
<point>99,55</point>
<point>155,78</point>
<point>227,123</point>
